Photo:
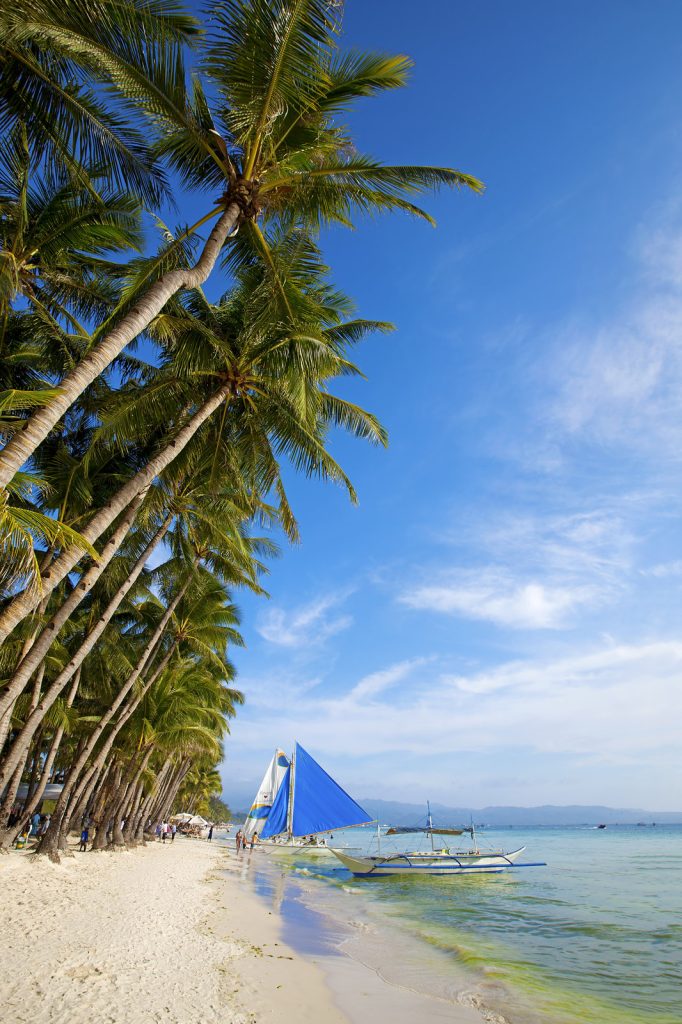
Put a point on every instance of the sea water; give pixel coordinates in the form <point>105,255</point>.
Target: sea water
<point>595,936</point>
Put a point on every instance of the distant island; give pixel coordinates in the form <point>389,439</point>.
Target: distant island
<point>575,814</point>
<point>394,812</point>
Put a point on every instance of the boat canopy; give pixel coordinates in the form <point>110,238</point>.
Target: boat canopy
<point>399,830</point>
<point>319,803</point>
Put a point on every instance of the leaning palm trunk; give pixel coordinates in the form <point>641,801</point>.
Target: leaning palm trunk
<point>74,786</point>
<point>36,797</point>
<point>124,798</point>
<point>102,808</point>
<point>167,795</point>
<point>128,830</point>
<point>174,789</point>
<point>8,706</point>
<point>38,714</point>
<point>49,634</point>
<point>146,807</point>
<point>127,712</point>
<point>12,779</point>
<point>22,445</point>
<point>24,603</point>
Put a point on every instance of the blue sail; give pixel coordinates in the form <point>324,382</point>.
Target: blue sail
<point>276,821</point>
<point>320,804</point>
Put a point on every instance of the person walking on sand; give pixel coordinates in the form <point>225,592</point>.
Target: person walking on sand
<point>254,840</point>
<point>238,839</point>
<point>174,829</point>
<point>210,833</point>
<point>164,831</point>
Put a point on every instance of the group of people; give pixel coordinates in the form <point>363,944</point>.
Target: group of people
<point>164,830</point>
<point>242,840</point>
<point>36,826</point>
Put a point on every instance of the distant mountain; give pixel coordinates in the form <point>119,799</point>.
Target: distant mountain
<point>395,813</point>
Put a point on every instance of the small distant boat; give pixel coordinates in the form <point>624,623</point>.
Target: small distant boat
<point>432,862</point>
<point>601,826</point>
<point>297,804</point>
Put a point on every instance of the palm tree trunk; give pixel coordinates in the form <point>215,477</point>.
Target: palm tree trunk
<point>26,601</point>
<point>6,714</point>
<point>76,783</point>
<point>62,680</point>
<point>7,836</point>
<point>42,644</point>
<point>22,445</point>
<point>174,789</point>
<point>129,786</point>
<point>12,778</point>
<point>148,801</point>
<point>35,765</point>
<point>102,812</point>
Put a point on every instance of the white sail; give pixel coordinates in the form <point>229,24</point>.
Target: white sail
<point>260,808</point>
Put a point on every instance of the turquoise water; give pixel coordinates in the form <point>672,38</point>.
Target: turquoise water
<point>594,936</point>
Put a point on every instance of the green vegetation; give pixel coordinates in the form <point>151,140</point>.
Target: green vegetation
<point>139,478</point>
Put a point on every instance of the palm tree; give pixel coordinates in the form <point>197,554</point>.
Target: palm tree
<point>79,75</point>
<point>272,149</point>
<point>201,633</point>
<point>266,355</point>
<point>54,234</point>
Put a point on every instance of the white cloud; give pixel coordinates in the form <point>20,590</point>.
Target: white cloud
<point>307,625</point>
<point>619,382</point>
<point>494,595</point>
<point>618,704</point>
<point>377,682</point>
<point>664,569</point>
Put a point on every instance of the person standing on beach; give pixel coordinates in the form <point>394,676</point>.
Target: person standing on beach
<point>174,829</point>
<point>210,833</point>
<point>83,845</point>
<point>238,840</point>
<point>254,840</point>
<point>164,831</point>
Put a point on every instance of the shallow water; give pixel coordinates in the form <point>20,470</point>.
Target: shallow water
<point>594,936</point>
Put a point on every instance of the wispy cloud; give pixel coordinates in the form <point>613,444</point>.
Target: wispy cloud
<point>614,704</point>
<point>664,569</point>
<point>493,595</point>
<point>372,685</point>
<point>309,624</point>
<point>618,382</point>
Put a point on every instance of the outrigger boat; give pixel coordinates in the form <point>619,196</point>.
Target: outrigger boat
<point>443,861</point>
<point>297,804</point>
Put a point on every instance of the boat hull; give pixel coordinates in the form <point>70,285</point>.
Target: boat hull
<point>428,864</point>
<point>298,849</point>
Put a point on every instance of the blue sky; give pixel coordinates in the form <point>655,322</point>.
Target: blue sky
<point>498,622</point>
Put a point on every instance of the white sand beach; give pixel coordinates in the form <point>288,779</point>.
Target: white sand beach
<point>171,933</point>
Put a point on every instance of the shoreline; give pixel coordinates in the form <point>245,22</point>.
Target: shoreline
<point>179,933</point>
<point>372,973</point>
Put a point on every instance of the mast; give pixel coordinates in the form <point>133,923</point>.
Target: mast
<point>429,821</point>
<point>290,803</point>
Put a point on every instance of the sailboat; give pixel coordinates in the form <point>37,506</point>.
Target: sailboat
<point>444,861</point>
<point>267,791</point>
<point>307,804</point>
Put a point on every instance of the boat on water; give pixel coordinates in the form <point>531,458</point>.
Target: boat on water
<point>297,805</point>
<point>443,861</point>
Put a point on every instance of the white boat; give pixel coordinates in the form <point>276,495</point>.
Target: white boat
<point>308,805</point>
<point>262,802</point>
<point>444,861</point>
<point>285,847</point>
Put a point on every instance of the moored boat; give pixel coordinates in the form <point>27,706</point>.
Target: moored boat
<point>444,861</point>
